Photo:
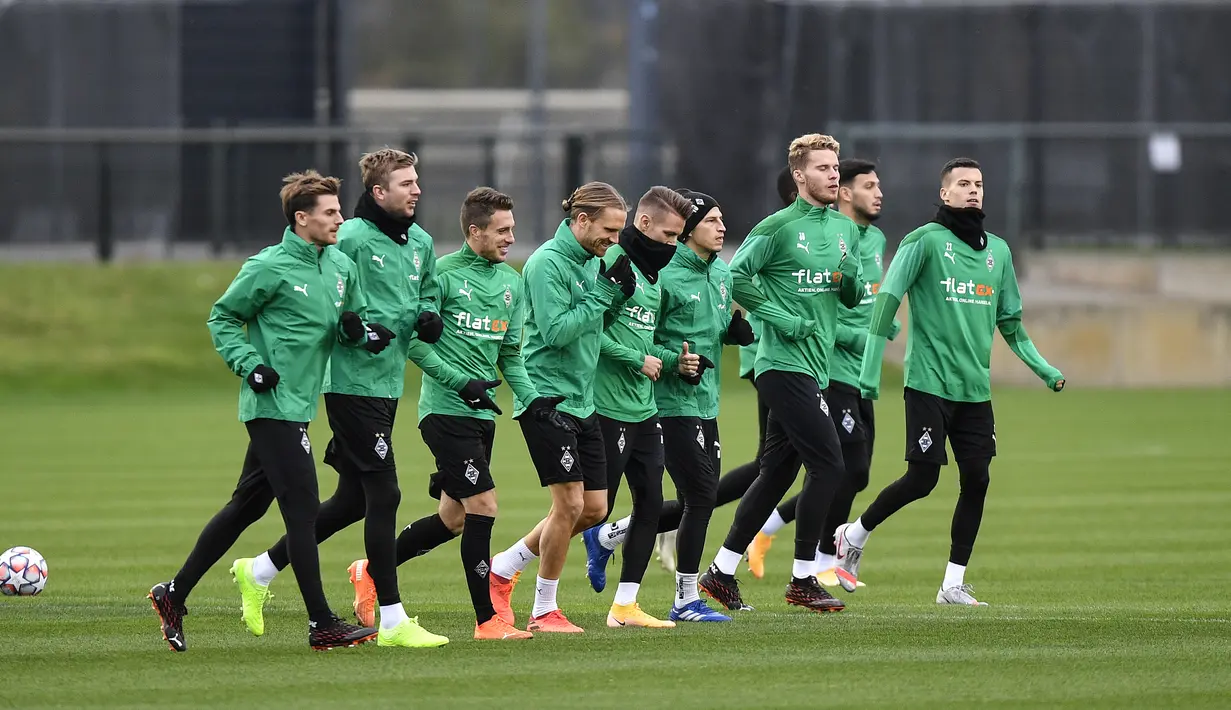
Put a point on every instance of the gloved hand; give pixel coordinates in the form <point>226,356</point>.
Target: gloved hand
<point>263,378</point>
<point>621,273</point>
<point>352,326</point>
<point>740,330</point>
<point>378,338</point>
<point>543,409</point>
<point>429,326</point>
<point>704,364</point>
<point>474,394</point>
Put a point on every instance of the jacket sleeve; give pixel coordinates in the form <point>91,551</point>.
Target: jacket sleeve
<point>509,359</point>
<point>239,305</point>
<point>429,284</point>
<point>906,266</point>
<point>354,300</point>
<point>753,255</point>
<point>1009,321</point>
<point>851,288</point>
<point>612,350</point>
<point>558,321</point>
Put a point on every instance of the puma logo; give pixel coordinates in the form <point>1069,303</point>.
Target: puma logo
<point>949,256</point>
<point>694,296</point>
<point>803,246</point>
<point>466,293</point>
<point>379,260</point>
<point>303,289</point>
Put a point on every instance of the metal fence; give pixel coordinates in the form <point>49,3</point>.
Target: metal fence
<point>98,193</point>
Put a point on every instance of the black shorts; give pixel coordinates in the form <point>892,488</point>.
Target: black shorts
<point>852,414</point>
<point>970,428</point>
<point>362,433</point>
<point>562,457</point>
<point>463,450</point>
<point>635,448</point>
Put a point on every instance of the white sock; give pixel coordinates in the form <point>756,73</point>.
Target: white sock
<point>727,561</point>
<point>263,570</point>
<point>392,615</point>
<point>685,590</point>
<point>857,534</point>
<point>774,524</point>
<point>803,568</point>
<point>612,535</point>
<point>824,561</point>
<point>544,597</point>
<point>513,560</point>
<point>955,575</point>
<point>626,593</point>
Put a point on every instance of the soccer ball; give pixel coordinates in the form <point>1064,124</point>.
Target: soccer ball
<point>23,572</point>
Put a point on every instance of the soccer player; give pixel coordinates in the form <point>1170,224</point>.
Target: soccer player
<point>962,287</point>
<point>276,327</point>
<point>859,199</point>
<point>482,300</point>
<point>629,363</point>
<point>566,298</point>
<point>396,265</point>
<point>791,272</point>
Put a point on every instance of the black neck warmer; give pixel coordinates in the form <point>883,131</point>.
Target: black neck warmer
<point>648,255</point>
<point>966,223</point>
<point>393,227</point>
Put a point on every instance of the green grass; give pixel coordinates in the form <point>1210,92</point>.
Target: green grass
<point>1103,553</point>
<point>1103,550</point>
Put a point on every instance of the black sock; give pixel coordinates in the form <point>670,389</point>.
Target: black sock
<point>669,518</point>
<point>422,536</point>
<point>476,563</point>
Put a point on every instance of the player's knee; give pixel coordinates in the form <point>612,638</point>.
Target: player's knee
<point>921,478</point>
<point>592,513</point>
<point>975,476</point>
<point>482,504</point>
<point>569,504</point>
<point>453,517</point>
<point>858,478</point>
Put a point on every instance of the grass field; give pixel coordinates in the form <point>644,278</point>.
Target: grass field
<point>1104,554</point>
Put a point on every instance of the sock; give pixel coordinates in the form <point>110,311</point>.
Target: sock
<point>476,548</point>
<point>774,524</point>
<point>626,593</point>
<point>392,615</point>
<point>421,537</point>
<point>544,597</point>
<point>612,535</point>
<point>727,561</point>
<point>513,560</point>
<point>857,534</point>
<point>955,575</point>
<point>263,570</point>
<point>803,568</point>
<point>824,561</point>
<point>685,590</point>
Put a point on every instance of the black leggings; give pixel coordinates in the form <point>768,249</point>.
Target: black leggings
<point>372,497</point>
<point>918,482</point>
<point>857,455</point>
<point>635,451</point>
<point>278,465</point>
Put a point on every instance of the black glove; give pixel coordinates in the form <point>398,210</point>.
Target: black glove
<point>429,326</point>
<point>704,364</point>
<point>740,330</point>
<point>621,273</point>
<point>263,379</point>
<point>543,409</point>
<point>475,395</point>
<point>378,338</point>
<point>352,326</point>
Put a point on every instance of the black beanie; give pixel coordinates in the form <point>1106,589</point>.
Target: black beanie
<point>703,203</point>
<point>787,190</point>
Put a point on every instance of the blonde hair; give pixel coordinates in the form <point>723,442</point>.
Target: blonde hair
<point>375,167</point>
<point>591,199</point>
<point>797,153</point>
<point>480,204</point>
<point>300,190</point>
<point>663,199</point>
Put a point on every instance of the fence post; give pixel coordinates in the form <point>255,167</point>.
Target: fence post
<point>574,162</point>
<point>1016,213</point>
<point>106,237</point>
<point>217,196</point>
<point>489,161</point>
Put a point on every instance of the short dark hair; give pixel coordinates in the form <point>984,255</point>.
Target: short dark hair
<point>480,205</point>
<point>786,187</point>
<point>852,168</point>
<point>300,190</point>
<point>956,163</point>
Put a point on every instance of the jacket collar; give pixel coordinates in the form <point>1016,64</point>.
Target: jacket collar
<point>299,248</point>
<point>808,209</point>
<point>471,258</point>
<point>689,259</point>
<point>567,244</point>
